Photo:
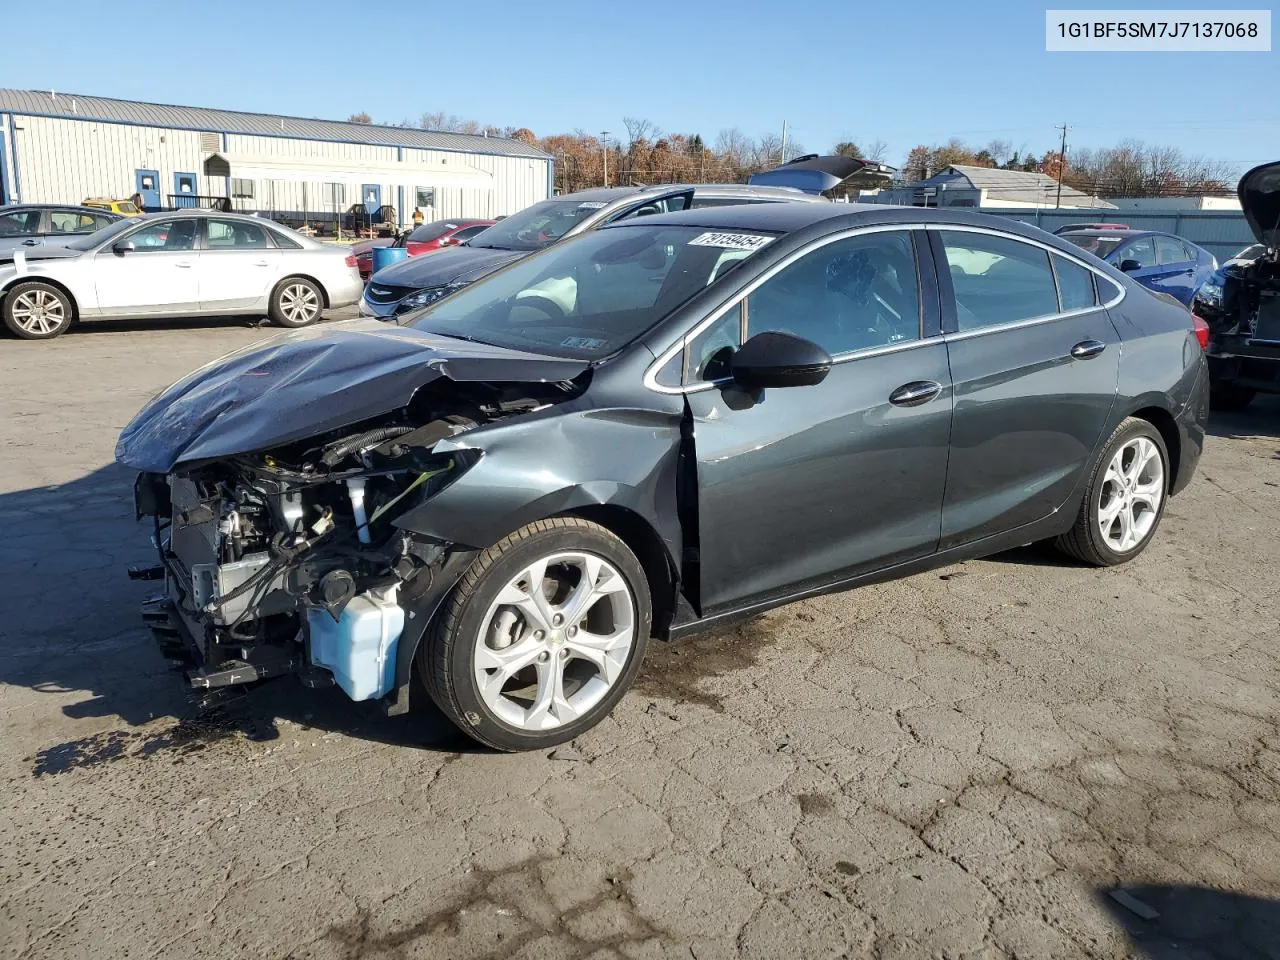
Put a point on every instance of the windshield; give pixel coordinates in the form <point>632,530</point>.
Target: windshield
<point>591,296</point>
<point>432,231</point>
<point>1099,245</point>
<point>102,236</point>
<point>538,226</point>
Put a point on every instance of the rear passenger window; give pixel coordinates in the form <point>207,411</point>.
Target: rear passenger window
<point>997,280</point>
<point>1169,250</point>
<point>1075,284</point>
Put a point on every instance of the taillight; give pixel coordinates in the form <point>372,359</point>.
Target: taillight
<point>351,260</point>
<point>1202,331</point>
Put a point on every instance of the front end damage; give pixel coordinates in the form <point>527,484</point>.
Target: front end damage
<point>289,560</point>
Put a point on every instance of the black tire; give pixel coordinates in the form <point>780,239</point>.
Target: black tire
<point>1084,541</point>
<point>1228,398</point>
<point>56,311</point>
<point>445,657</point>
<point>296,302</point>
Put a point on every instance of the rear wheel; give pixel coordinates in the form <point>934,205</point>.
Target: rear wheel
<point>296,302</point>
<point>541,637</point>
<point>1229,398</point>
<point>1125,498</point>
<point>37,311</point>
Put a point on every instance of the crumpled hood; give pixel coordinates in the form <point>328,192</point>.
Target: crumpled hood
<point>308,382</point>
<point>1259,193</point>
<point>451,265</point>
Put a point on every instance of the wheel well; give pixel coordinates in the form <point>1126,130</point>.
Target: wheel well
<point>324,294</point>
<point>75,307</point>
<point>1163,421</point>
<point>633,530</point>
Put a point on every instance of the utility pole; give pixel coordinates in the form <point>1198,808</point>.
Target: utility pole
<point>604,152</point>
<point>1062,165</point>
<point>784,142</point>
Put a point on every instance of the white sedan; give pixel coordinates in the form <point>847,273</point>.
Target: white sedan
<point>180,264</point>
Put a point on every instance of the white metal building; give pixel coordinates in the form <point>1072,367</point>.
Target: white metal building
<point>64,148</point>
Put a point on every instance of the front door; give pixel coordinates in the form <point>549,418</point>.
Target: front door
<point>1035,363</point>
<point>802,487</point>
<point>371,197</point>
<point>158,276</point>
<point>147,183</point>
<point>184,190</point>
<point>238,266</point>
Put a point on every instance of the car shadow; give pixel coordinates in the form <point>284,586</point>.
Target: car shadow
<point>71,630</point>
<point>1164,922</point>
<point>144,324</point>
<point>1260,419</point>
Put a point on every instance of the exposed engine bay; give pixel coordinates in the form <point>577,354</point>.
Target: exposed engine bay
<point>290,561</point>
<point>1250,298</point>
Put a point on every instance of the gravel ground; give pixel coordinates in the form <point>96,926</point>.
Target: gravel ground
<point>965,763</point>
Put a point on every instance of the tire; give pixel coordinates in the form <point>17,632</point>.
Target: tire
<point>1228,398</point>
<point>515,708</point>
<point>1115,477</point>
<point>296,302</point>
<point>37,311</point>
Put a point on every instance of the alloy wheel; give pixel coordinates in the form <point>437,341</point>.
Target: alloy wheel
<point>1130,495</point>
<point>299,303</point>
<point>554,641</point>
<point>39,312</point>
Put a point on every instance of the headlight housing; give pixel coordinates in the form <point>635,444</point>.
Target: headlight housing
<point>424,298</point>
<point>1210,293</point>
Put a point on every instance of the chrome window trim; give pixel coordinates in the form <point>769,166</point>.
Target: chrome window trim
<point>651,372</point>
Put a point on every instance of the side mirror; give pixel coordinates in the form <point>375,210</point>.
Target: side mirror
<point>124,246</point>
<point>1128,266</point>
<point>773,359</point>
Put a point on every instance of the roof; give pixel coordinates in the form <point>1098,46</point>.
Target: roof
<point>41,103</point>
<point>75,207</point>
<point>1016,185</point>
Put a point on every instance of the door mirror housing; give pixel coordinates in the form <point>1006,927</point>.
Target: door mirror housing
<point>1128,266</point>
<point>774,359</point>
<point>124,246</point>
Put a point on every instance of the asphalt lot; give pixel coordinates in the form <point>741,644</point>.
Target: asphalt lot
<point>961,764</point>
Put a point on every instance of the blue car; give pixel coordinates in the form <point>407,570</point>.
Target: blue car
<point>1160,261</point>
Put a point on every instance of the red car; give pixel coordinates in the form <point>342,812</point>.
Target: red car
<point>423,239</point>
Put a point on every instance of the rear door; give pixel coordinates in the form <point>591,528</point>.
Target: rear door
<point>1176,268</point>
<point>1034,359</point>
<point>801,488</point>
<point>158,276</point>
<point>238,265</point>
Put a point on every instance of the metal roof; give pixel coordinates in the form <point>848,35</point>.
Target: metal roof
<point>1013,184</point>
<point>45,103</point>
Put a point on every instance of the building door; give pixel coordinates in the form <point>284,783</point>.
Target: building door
<point>371,197</point>
<point>147,183</point>
<point>184,190</point>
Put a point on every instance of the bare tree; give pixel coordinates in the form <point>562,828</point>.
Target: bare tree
<point>734,146</point>
<point>639,129</point>
<point>876,152</point>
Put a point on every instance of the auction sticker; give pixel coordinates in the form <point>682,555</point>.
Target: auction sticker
<point>730,241</point>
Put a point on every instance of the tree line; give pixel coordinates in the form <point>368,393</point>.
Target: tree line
<point>641,153</point>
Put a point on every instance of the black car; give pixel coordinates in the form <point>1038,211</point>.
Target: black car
<point>25,225</point>
<point>654,428</point>
<point>1241,301</point>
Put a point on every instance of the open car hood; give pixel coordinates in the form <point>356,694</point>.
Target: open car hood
<point>452,265</point>
<point>309,382</point>
<point>812,174</point>
<point>1259,193</point>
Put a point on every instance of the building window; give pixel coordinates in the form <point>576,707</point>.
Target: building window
<point>425,196</point>
<point>335,193</point>
<point>242,188</point>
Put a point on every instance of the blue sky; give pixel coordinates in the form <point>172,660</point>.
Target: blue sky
<point>905,73</point>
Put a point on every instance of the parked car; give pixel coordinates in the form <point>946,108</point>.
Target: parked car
<point>1073,227</point>
<point>1241,301</point>
<point>192,263</point>
<point>1160,261</point>
<point>409,285</point>
<point>420,240</point>
<point>125,208</point>
<point>28,225</point>
<point>743,406</point>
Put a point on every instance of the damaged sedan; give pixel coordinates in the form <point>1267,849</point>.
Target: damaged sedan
<point>647,431</point>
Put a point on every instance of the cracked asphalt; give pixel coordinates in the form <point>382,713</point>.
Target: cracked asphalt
<point>963,764</point>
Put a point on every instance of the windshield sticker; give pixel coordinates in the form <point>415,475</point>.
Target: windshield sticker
<point>730,241</point>
<point>592,205</point>
<point>583,343</point>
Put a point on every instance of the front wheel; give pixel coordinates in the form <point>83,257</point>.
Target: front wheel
<point>1125,498</point>
<point>37,311</point>
<point>296,302</point>
<point>541,637</point>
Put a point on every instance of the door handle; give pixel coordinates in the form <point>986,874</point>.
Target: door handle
<point>1087,349</point>
<point>261,263</point>
<point>185,264</point>
<point>915,393</point>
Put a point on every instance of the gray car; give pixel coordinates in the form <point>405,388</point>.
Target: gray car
<point>414,283</point>
<point>741,406</point>
<point>31,224</point>
<point>185,263</point>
